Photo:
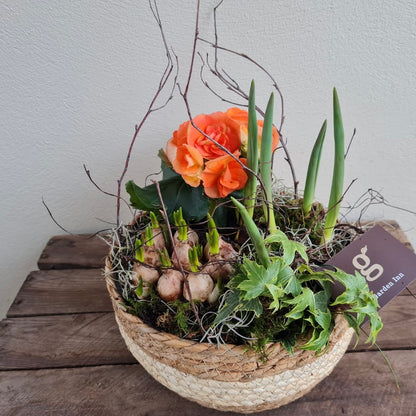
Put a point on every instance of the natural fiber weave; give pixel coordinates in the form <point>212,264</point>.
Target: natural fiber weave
<point>227,377</point>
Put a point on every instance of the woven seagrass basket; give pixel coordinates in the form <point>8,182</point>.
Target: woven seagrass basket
<point>227,377</point>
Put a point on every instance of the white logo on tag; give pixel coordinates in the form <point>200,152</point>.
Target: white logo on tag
<point>363,264</point>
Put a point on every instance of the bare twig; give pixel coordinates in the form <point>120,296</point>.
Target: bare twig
<point>169,70</point>
<point>53,219</point>
<point>88,173</point>
<point>233,86</point>
<point>191,65</point>
<point>350,143</point>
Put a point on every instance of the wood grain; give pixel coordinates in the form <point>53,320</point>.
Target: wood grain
<point>124,390</point>
<point>399,331</point>
<point>73,252</point>
<point>61,341</point>
<point>48,292</point>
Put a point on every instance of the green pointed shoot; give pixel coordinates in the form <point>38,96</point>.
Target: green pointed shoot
<point>193,256</point>
<point>139,252</point>
<point>213,237</point>
<point>312,174</point>
<point>181,224</point>
<point>165,258</point>
<point>338,174</point>
<point>149,236</point>
<point>252,153</point>
<point>266,164</point>
<point>254,234</point>
<point>153,219</point>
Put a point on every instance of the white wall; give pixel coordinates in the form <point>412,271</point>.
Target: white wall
<point>76,76</point>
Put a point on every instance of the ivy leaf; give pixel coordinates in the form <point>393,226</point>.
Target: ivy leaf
<point>290,247</point>
<point>234,303</point>
<point>289,342</point>
<point>322,300</point>
<point>306,300</point>
<point>258,277</point>
<point>319,341</point>
<point>318,276</point>
<point>362,302</point>
<point>277,293</point>
<point>176,193</point>
<point>293,286</point>
<point>354,285</point>
<point>232,299</point>
<point>323,325</point>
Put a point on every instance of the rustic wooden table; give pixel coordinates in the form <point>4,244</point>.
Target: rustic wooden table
<point>61,352</point>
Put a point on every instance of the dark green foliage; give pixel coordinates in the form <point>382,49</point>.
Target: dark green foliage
<point>175,193</point>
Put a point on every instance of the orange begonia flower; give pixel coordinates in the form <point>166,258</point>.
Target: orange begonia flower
<point>241,117</point>
<point>219,127</point>
<point>222,176</point>
<point>188,163</point>
<point>179,138</point>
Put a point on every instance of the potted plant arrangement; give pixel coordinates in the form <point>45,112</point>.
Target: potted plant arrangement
<point>219,284</point>
<point>216,284</point>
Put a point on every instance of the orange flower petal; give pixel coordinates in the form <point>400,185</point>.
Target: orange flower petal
<point>189,164</point>
<point>241,117</point>
<point>237,114</point>
<point>220,128</point>
<point>222,176</point>
<point>179,138</point>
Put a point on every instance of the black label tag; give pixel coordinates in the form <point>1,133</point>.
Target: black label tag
<point>387,264</point>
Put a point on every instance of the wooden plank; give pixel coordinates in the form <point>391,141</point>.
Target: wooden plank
<point>124,390</point>
<point>394,229</point>
<point>47,292</point>
<point>61,341</point>
<point>73,252</point>
<point>410,291</point>
<point>94,339</point>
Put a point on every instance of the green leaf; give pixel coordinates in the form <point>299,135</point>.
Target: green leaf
<point>252,305</point>
<point>168,172</point>
<point>317,276</point>
<point>164,158</point>
<point>289,342</point>
<point>265,166</point>
<point>258,277</point>
<point>176,193</point>
<point>361,301</point>
<point>323,324</point>
<point>277,293</point>
<point>323,318</point>
<point>354,285</point>
<point>232,300</point>
<point>290,247</point>
<point>322,300</point>
<point>252,154</point>
<point>313,169</point>
<point>305,300</point>
<point>319,340</point>
<point>254,234</point>
<point>234,303</point>
<point>139,288</point>
<point>293,286</point>
<point>337,186</point>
